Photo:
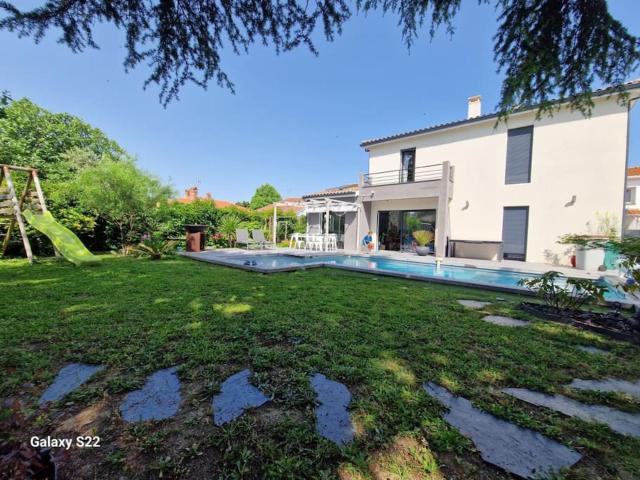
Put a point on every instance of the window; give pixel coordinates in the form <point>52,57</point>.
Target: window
<point>408,158</point>
<point>519,143</point>
<point>630,195</point>
<point>515,225</point>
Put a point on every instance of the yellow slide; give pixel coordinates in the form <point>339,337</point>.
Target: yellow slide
<point>62,238</point>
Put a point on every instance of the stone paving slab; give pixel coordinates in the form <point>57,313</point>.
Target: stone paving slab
<point>157,400</point>
<point>68,379</point>
<point>236,395</point>
<point>590,349</point>
<point>608,385</point>
<point>475,304</point>
<point>333,420</point>
<point>622,422</point>
<point>517,450</point>
<point>505,321</point>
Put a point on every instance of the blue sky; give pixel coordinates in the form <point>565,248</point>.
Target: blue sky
<point>296,120</point>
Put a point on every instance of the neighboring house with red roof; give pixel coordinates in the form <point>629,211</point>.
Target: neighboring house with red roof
<point>291,204</point>
<point>191,195</point>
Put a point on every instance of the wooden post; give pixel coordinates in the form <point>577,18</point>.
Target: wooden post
<point>36,183</point>
<point>17,206</point>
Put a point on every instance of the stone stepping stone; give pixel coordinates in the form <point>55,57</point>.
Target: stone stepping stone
<point>517,450</point>
<point>236,395</point>
<point>608,385</point>
<point>590,349</point>
<point>157,400</point>
<point>505,321</point>
<point>475,304</point>
<point>622,422</point>
<point>333,420</point>
<point>68,379</point>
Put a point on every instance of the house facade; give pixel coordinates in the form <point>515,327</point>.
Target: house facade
<point>494,190</point>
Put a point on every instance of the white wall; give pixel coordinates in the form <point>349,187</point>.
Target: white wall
<point>571,156</point>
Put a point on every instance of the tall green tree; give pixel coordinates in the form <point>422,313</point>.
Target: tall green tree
<point>32,136</point>
<point>544,47</point>
<point>122,194</point>
<point>264,195</point>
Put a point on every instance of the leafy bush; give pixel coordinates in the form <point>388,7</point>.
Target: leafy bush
<point>171,217</point>
<point>422,237</point>
<point>575,293</point>
<point>155,248</point>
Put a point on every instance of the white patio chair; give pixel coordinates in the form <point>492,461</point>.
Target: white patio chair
<point>332,242</point>
<point>314,242</point>
<point>297,241</point>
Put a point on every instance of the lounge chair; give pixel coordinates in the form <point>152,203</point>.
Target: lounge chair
<point>242,238</point>
<point>258,237</point>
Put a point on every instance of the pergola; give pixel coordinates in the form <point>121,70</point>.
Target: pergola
<point>328,205</point>
<point>319,205</point>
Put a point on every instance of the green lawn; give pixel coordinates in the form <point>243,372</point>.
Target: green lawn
<point>381,337</point>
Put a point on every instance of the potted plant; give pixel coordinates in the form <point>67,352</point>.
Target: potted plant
<point>422,238</point>
<point>591,248</point>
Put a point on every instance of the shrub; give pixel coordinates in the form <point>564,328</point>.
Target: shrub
<point>422,237</point>
<point>575,293</point>
<point>155,248</point>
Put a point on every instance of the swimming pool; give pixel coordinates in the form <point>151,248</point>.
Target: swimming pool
<point>503,280</point>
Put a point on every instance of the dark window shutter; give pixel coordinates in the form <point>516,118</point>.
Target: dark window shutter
<point>519,142</point>
<point>514,233</point>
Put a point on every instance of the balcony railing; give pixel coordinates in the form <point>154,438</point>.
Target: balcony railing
<point>424,173</point>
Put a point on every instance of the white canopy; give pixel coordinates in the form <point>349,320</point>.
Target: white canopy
<point>323,205</point>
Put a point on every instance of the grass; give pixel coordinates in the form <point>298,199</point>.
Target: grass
<point>382,337</point>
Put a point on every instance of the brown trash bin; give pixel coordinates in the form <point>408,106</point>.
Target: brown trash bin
<point>196,238</point>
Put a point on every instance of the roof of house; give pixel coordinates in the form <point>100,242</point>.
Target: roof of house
<point>633,172</point>
<point>291,204</point>
<point>596,93</point>
<point>342,190</point>
<point>191,195</point>
<point>226,203</point>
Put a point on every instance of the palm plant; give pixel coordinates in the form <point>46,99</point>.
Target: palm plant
<point>155,248</point>
<point>228,226</point>
<point>422,237</point>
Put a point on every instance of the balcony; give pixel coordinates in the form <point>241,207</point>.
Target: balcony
<point>426,173</point>
<point>425,181</point>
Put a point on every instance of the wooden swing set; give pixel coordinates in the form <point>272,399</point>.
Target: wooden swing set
<point>12,206</point>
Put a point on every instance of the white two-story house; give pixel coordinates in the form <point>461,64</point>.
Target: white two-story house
<point>495,190</point>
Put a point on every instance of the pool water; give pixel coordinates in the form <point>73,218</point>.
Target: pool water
<point>470,275</point>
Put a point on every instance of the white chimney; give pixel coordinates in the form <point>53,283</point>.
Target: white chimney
<point>475,106</point>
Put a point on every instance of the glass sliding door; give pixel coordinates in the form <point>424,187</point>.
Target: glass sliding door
<point>413,220</point>
<point>389,234</point>
<point>396,227</point>
<point>336,225</point>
